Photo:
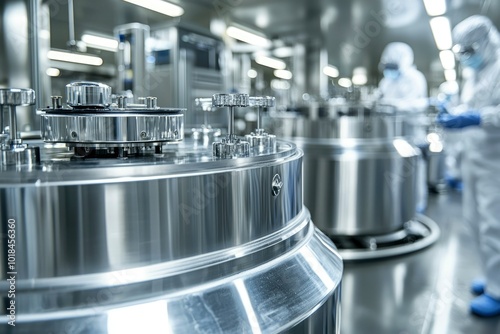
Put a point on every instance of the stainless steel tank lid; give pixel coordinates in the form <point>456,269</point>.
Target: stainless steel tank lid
<point>88,94</point>
<point>92,121</point>
<point>17,97</point>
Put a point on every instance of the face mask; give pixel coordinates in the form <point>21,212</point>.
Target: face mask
<point>474,61</point>
<point>391,74</point>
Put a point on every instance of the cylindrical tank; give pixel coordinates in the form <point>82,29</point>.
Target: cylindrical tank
<point>359,172</point>
<point>115,238</point>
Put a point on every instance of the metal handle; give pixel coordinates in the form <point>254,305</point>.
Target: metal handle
<point>262,101</point>
<point>230,100</point>
<point>12,98</point>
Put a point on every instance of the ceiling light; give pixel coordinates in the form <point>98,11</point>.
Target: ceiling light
<point>359,79</point>
<point>53,72</point>
<point>441,31</point>
<point>163,7</point>
<point>283,74</point>
<point>331,71</point>
<point>98,42</point>
<point>447,59</point>
<point>280,84</point>
<point>359,76</point>
<point>435,7</point>
<point>345,82</point>
<point>247,36</point>
<point>252,73</point>
<point>450,75</point>
<point>74,58</point>
<point>283,52</point>
<point>270,62</point>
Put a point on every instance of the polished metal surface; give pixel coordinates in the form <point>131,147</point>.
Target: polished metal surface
<point>187,241</point>
<point>13,151</point>
<point>197,65</point>
<point>290,125</point>
<point>230,100</point>
<point>84,94</point>
<point>17,97</point>
<point>355,188</point>
<point>259,139</point>
<point>422,229</point>
<point>230,147</point>
<point>358,178</point>
<point>14,97</point>
<point>427,292</point>
<point>79,127</point>
<point>93,122</point>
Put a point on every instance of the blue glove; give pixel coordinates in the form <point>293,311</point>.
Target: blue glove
<point>468,118</point>
<point>442,107</point>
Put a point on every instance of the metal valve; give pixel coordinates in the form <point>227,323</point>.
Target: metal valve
<point>85,94</point>
<point>205,134</point>
<point>261,102</point>
<point>13,149</point>
<point>230,147</point>
<point>261,140</point>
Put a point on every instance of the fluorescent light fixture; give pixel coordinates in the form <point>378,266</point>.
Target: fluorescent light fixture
<point>435,7</point>
<point>162,7</point>
<point>280,84</point>
<point>359,76</point>
<point>331,71</point>
<point>270,62</point>
<point>359,79</point>
<point>74,58</point>
<point>252,73</point>
<point>447,59</point>
<point>283,74</point>
<point>441,31</point>
<point>247,36</point>
<point>283,52</point>
<point>53,72</point>
<point>450,75</point>
<point>345,82</point>
<point>99,42</point>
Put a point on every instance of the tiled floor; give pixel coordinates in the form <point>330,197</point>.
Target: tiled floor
<point>426,292</point>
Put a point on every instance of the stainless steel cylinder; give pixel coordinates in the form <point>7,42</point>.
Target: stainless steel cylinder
<point>359,175</point>
<point>176,242</point>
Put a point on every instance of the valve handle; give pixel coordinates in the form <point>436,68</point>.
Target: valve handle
<point>230,100</point>
<point>262,101</point>
<point>17,97</point>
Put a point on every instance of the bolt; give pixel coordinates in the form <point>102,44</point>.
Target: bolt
<point>144,134</point>
<point>74,134</point>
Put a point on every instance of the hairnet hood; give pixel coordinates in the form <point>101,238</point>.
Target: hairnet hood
<point>398,53</point>
<point>479,33</point>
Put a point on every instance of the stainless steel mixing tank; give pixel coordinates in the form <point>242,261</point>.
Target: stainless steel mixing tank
<point>162,235</point>
<point>359,176</point>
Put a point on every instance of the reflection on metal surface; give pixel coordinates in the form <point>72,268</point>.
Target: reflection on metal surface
<point>416,235</point>
<point>177,238</point>
<point>359,177</point>
<point>13,151</point>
